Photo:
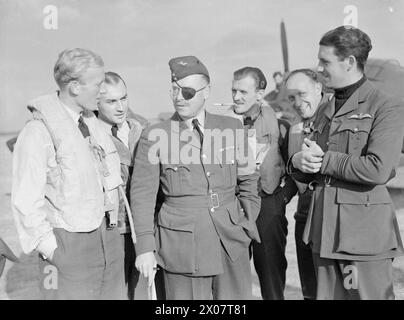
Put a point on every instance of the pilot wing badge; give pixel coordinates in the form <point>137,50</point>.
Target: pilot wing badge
<point>361,116</point>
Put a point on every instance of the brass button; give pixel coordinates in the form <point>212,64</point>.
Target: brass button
<point>175,168</point>
<point>355,130</point>
<point>208,174</point>
<point>204,156</point>
<point>212,210</point>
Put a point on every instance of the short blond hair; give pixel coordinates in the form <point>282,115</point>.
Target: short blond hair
<point>72,63</point>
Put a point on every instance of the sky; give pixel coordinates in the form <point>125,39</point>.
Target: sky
<point>136,38</point>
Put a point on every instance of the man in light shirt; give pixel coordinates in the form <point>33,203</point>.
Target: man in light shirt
<point>65,178</point>
<point>125,130</point>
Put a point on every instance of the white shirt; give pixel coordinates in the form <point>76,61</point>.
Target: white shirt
<point>201,119</point>
<point>123,131</point>
<point>75,115</point>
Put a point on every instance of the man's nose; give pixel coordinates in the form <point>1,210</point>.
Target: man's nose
<point>298,102</point>
<point>320,68</point>
<point>119,105</point>
<point>236,96</point>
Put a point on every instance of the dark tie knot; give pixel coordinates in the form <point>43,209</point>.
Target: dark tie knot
<point>308,127</point>
<point>195,122</point>
<point>114,130</point>
<point>248,121</point>
<point>83,127</point>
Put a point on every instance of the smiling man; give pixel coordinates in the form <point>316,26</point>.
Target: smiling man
<point>354,152</point>
<point>304,92</point>
<point>275,188</point>
<point>203,229</point>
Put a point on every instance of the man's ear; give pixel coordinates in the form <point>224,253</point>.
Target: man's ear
<point>260,94</point>
<point>318,87</point>
<point>206,92</point>
<point>74,87</point>
<point>351,61</point>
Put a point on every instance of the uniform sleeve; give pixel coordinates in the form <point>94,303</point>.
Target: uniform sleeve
<point>30,162</point>
<point>289,188</point>
<point>247,181</point>
<point>143,192</point>
<point>378,165</point>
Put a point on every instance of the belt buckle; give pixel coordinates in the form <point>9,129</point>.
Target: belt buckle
<point>214,197</point>
<point>312,185</point>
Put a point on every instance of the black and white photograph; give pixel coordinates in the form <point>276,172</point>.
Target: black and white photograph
<point>201,150</point>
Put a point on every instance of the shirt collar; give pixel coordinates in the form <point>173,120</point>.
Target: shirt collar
<point>107,126</point>
<point>75,116</point>
<point>201,119</point>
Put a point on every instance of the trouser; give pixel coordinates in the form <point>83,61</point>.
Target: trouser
<point>234,283</point>
<point>354,280</point>
<point>307,272</point>
<point>269,255</point>
<point>85,266</point>
<point>136,284</point>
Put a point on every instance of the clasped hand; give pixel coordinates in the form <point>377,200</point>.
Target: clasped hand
<point>310,158</point>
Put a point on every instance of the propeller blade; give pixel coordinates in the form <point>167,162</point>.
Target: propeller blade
<point>284,43</point>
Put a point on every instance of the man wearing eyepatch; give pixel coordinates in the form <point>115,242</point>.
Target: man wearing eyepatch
<point>203,229</point>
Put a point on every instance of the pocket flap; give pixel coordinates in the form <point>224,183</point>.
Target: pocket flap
<point>354,126</point>
<point>175,168</point>
<point>180,227</point>
<point>375,196</point>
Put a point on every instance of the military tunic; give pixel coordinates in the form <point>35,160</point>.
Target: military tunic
<point>201,215</point>
<point>352,218</point>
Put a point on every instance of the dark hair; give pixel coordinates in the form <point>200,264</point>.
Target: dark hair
<point>348,41</point>
<point>308,72</point>
<point>276,73</point>
<point>255,73</point>
<point>113,78</point>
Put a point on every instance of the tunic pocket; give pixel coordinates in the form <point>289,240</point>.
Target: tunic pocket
<point>356,134</point>
<point>176,247</point>
<point>366,222</point>
<point>178,178</point>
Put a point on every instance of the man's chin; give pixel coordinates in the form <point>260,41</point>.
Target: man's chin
<point>93,107</point>
<point>239,108</point>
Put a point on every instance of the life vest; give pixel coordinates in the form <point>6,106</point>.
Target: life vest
<point>84,168</point>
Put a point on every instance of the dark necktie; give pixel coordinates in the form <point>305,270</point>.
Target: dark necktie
<point>114,130</point>
<point>308,128</point>
<point>195,122</point>
<point>83,128</point>
<point>248,121</point>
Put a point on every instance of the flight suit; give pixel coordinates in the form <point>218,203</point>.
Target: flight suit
<point>352,224</point>
<point>203,230</point>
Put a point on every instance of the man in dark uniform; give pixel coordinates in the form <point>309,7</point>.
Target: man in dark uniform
<point>203,229</point>
<point>275,188</point>
<point>304,91</point>
<point>352,225</point>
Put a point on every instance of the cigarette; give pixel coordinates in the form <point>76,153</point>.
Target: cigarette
<point>223,104</point>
